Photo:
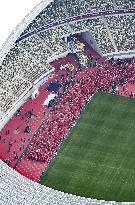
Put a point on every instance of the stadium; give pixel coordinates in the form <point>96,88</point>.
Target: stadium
<point>67,105</point>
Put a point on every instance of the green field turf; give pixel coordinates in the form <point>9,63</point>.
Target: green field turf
<point>98,158</point>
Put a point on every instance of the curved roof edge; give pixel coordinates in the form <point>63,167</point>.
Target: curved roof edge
<point>8,44</point>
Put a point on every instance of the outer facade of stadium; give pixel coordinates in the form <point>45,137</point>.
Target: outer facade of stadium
<point>31,49</point>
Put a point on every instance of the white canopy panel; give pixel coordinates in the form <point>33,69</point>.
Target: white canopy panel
<point>50,97</point>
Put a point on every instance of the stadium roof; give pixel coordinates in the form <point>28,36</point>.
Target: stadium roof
<point>11,14</point>
<point>15,16</point>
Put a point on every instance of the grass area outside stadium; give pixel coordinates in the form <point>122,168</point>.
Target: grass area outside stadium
<point>97,159</point>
